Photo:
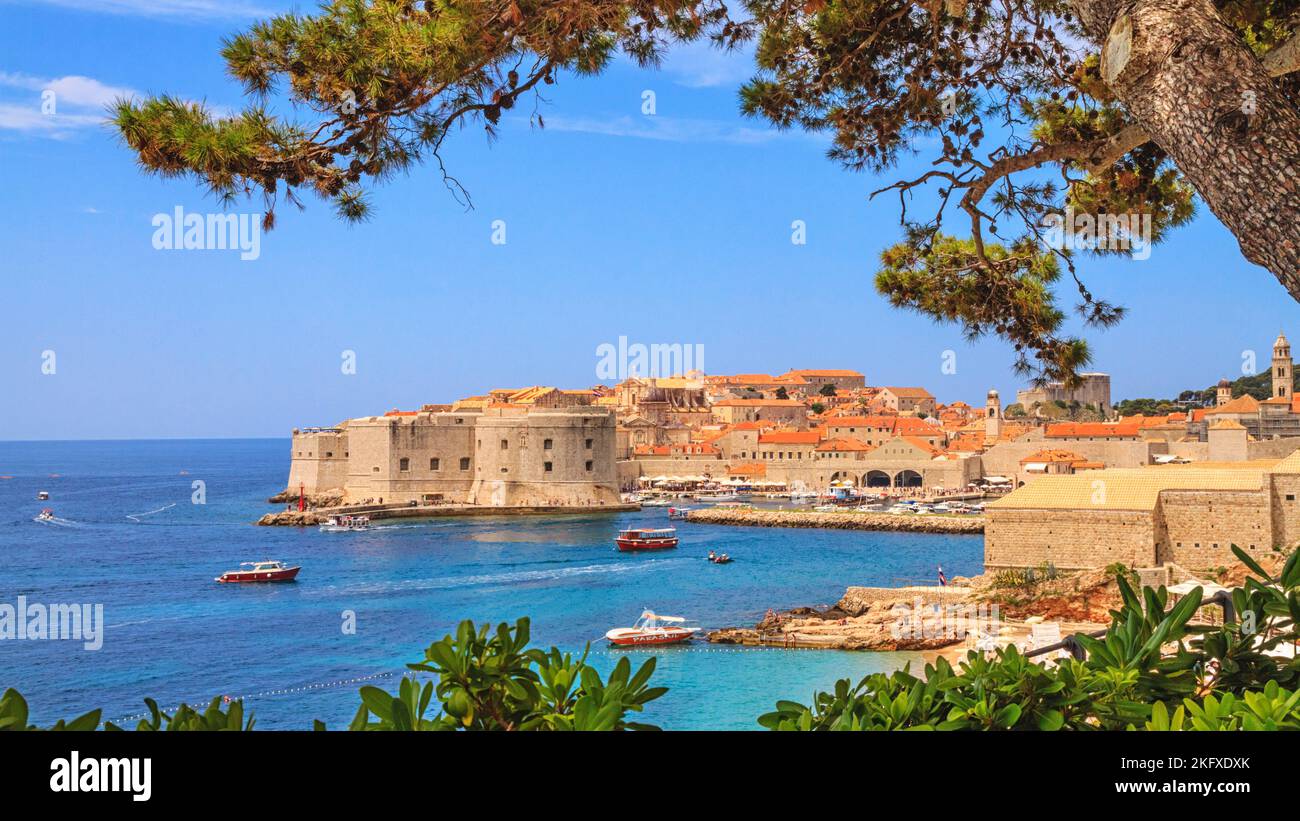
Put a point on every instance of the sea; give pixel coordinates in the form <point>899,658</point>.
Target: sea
<point>144,527</point>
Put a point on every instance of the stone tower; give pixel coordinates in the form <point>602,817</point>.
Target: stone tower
<point>1282,377</point>
<point>992,417</point>
<point>1223,393</point>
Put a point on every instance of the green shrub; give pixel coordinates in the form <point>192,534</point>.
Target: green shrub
<point>1126,682</point>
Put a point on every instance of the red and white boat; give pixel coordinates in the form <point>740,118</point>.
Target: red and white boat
<point>652,629</point>
<point>640,538</point>
<point>267,571</point>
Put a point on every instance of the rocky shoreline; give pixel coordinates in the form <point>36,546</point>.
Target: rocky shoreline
<point>865,618</point>
<point>870,618</point>
<point>910,523</point>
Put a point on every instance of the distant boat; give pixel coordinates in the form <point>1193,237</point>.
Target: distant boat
<point>267,571</point>
<point>340,524</point>
<point>652,629</point>
<point>656,502</point>
<point>43,496</point>
<point>46,515</point>
<point>716,497</point>
<point>679,512</point>
<point>634,539</point>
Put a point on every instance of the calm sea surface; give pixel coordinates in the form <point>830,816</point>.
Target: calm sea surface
<point>129,537</point>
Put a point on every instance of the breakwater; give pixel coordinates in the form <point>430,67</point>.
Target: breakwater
<point>309,518</point>
<point>910,523</point>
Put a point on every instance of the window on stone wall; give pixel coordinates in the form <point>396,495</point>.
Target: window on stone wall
<point>589,463</point>
<point>464,463</point>
<point>404,464</point>
<point>546,466</point>
<point>589,443</point>
<point>374,470</point>
<point>329,454</point>
<point>434,463</point>
<point>505,444</point>
<point>546,444</point>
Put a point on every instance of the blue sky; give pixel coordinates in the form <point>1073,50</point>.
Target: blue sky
<point>671,228</point>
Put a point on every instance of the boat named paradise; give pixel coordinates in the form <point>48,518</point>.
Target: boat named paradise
<point>652,629</point>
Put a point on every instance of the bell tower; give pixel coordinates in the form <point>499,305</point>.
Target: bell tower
<point>1283,379</point>
<point>1223,393</point>
<point>992,417</point>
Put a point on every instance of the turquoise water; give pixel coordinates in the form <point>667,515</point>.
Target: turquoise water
<point>129,537</point>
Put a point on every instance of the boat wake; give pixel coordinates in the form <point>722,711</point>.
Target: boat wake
<point>56,521</point>
<point>518,577</point>
<point>136,517</point>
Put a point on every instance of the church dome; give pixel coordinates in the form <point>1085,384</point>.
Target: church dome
<point>1281,342</point>
<point>1224,383</point>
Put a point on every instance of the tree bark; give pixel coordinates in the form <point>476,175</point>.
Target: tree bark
<point>1204,98</point>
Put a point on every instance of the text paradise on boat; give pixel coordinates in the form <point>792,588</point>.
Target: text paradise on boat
<point>652,629</point>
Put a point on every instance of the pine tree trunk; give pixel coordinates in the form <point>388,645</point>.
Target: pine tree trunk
<point>1204,98</point>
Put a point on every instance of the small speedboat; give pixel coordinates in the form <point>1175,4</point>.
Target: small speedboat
<point>682,513</point>
<point>267,571</point>
<point>43,496</point>
<point>656,502</point>
<point>720,558</point>
<point>640,538</point>
<point>342,524</point>
<point>45,515</point>
<point>652,629</point>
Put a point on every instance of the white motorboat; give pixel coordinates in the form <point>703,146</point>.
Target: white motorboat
<point>342,524</point>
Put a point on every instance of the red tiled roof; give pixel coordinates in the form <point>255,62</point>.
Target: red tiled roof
<point>790,437</point>
<point>1079,429</point>
<point>844,445</point>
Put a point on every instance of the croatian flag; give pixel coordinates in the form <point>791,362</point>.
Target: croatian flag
<point>943,580</point>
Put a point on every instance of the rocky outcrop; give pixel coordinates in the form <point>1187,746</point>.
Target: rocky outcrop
<point>292,518</point>
<point>864,619</point>
<point>912,523</point>
<point>330,498</point>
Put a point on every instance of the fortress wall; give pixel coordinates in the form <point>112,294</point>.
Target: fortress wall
<point>1202,525</point>
<point>379,444</point>
<point>319,461</point>
<point>1272,448</point>
<point>1284,494</point>
<point>1003,459</point>
<point>545,458</point>
<point>1195,451</point>
<point>1069,539</point>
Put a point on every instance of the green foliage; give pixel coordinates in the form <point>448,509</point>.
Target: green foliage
<point>493,681</point>
<point>487,680</point>
<point>1011,296</point>
<point>1153,669</point>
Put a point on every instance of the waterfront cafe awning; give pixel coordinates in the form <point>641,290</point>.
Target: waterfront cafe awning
<point>997,480</point>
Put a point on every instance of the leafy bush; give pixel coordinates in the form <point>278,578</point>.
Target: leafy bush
<point>486,681</point>
<point>1216,677</point>
<point>494,682</point>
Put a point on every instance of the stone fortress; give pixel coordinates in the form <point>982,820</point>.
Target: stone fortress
<point>532,447</point>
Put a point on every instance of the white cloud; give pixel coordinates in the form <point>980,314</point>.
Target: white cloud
<point>699,64</point>
<point>669,129</point>
<point>78,103</point>
<point>73,90</point>
<point>170,9</point>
